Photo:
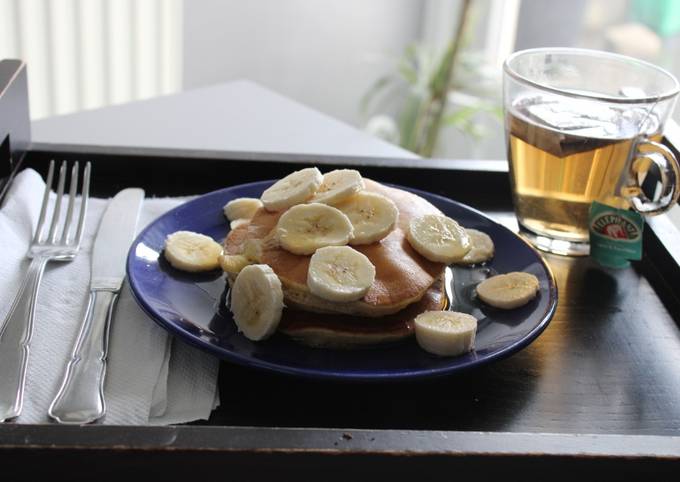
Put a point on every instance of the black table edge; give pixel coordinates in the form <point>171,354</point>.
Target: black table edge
<point>391,441</point>
<point>500,166</point>
<point>173,453</point>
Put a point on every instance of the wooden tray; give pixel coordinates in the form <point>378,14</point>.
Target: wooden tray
<point>595,397</point>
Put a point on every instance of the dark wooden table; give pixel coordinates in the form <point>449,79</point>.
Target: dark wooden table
<point>595,397</point>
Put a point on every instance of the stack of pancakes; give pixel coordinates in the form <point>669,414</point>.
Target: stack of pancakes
<point>406,284</point>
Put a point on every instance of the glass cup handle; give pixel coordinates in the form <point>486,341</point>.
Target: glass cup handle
<point>669,171</point>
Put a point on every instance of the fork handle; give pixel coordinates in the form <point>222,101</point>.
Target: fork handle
<point>15,339</point>
<point>81,396</point>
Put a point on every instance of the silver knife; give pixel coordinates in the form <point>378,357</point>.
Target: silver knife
<point>81,396</point>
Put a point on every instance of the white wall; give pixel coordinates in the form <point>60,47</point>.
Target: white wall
<point>324,53</point>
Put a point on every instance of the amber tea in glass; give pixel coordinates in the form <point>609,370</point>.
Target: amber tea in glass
<point>572,141</point>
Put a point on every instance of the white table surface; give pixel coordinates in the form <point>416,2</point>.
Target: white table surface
<point>234,116</point>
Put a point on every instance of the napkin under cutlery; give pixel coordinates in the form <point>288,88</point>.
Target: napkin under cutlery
<point>151,377</point>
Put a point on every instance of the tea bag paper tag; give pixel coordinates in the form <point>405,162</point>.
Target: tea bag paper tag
<point>615,235</point>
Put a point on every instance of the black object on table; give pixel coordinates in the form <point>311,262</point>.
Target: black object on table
<point>595,397</point>
<point>15,124</point>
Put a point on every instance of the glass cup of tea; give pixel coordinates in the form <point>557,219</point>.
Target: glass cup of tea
<point>583,126</point>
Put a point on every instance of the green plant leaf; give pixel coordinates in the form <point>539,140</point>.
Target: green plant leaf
<point>408,121</point>
<point>460,116</point>
<point>439,79</point>
<point>497,111</point>
<point>408,72</point>
<point>463,120</point>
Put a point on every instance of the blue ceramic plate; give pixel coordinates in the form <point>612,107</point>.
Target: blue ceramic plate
<point>192,306</point>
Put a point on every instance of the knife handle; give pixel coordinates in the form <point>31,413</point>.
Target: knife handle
<point>81,396</point>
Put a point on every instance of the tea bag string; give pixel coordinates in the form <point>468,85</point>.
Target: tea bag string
<point>647,116</point>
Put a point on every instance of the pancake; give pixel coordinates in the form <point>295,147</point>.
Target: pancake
<point>402,275</point>
<point>344,331</point>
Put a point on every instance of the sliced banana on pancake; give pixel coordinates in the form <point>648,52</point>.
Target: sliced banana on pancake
<point>238,222</point>
<point>438,238</point>
<point>242,208</point>
<point>482,248</point>
<point>372,215</point>
<point>234,263</point>
<point>297,187</point>
<point>509,290</point>
<point>193,252</point>
<point>307,227</point>
<point>337,186</point>
<point>250,254</point>
<point>252,249</point>
<point>257,301</point>
<point>446,333</point>
<point>340,273</point>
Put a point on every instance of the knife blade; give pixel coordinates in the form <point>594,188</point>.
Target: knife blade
<point>80,398</point>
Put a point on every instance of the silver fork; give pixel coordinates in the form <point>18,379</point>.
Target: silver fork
<point>17,328</point>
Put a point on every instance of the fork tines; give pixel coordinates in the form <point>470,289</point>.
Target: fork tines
<point>54,229</point>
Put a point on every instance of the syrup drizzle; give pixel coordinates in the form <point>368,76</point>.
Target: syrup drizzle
<point>460,283</point>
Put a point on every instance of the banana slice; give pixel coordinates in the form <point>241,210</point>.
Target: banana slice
<point>238,222</point>
<point>482,248</point>
<point>234,263</point>
<point>242,208</point>
<point>446,333</point>
<point>252,249</point>
<point>372,215</point>
<point>257,301</point>
<point>509,290</point>
<point>297,187</point>
<point>189,251</point>
<point>337,186</point>
<point>438,238</point>
<point>340,273</point>
<point>307,227</point>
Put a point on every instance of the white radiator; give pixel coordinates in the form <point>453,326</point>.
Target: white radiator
<point>83,54</point>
